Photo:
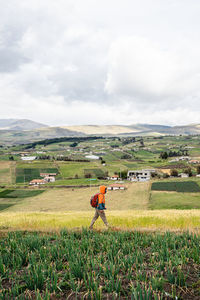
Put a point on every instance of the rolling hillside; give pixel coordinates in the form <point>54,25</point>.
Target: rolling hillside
<point>23,131</point>
<point>23,124</point>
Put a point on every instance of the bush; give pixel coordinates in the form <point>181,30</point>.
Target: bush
<point>198,169</point>
<point>174,173</point>
<point>165,175</point>
<point>188,171</point>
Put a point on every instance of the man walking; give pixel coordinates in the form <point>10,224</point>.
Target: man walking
<point>99,210</point>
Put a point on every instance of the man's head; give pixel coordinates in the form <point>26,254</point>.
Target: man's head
<point>103,189</point>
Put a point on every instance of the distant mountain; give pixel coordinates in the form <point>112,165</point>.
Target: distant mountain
<point>21,124</point>
<point>25,131</point>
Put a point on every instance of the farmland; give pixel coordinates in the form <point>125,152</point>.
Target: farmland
<point>151,250</point>
<point>182,187</point>
<point>106,265</point>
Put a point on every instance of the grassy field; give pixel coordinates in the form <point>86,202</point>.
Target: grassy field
<point>145,220</point>
<point>76,199</point>
<point>174,200</point>
<point>26,175</point>
<point>106,265</point>
<point>5,172</point>
<point>184,187</point>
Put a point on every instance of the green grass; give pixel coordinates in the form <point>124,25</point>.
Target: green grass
<point>10,198</point>
<point>70,169</point>
<point>174,200</point>
<point>99,265</point>
<point>182,187</point>
<point>19,193</point>
<point>95,172</point>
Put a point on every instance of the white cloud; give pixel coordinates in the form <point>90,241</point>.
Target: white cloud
<point>103,62</point>
<point>143,70</point>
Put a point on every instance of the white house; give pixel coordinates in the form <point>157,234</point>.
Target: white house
<point>49,179</point>
<point>114,187</point>
<point>28,158</point>
<point>114,177</point>
<point>37,182</point>
<point>140,175</point>
<point>91,156</point>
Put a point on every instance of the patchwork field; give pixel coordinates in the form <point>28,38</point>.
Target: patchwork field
<point>26,175</point>
<point>151,250</point>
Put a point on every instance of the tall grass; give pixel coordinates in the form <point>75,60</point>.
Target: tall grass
<point>127,220</point>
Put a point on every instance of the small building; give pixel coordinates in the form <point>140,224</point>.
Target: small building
<point>114,177</point>
<point>28,158</point>
<point>183,175</point>
<point>114,187</point>
<point>37,182</point>
<point>48,174</point>
<point>140,175</point>
<point>49,179</point>
<point>194,161</point>
<point>91,156</point>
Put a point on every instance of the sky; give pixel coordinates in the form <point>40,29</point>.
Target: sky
<point>103,62</point>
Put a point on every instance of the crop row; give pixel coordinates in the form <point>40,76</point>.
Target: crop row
<point>99,265</point>
<point>183,187</point>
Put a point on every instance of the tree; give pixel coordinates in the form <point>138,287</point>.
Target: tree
<point>73,144</point>
<point>123,174</point>
<point>88,175</point>
<point>188,171</point>
<point>163,155</point>
<point>198,169</point>
<point>165,175</point>
<point>174,173</point>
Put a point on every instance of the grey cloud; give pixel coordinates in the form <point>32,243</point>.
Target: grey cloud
<point>57,53</point>
<point>11,59</point>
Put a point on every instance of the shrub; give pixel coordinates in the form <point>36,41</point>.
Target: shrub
<point>174,173</point>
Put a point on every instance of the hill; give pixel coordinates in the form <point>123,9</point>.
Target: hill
<point>14,131</point>
<point>21,124</point>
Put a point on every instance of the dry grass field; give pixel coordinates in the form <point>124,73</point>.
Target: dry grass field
<point>144,220</point>
<point>70,208</point>
<point>6,172</point>
<point>78,199</point>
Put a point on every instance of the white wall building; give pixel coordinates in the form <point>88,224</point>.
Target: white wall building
<point>140,175</point>
<point>28,158</point>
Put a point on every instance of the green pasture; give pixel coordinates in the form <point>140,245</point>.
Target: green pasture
<point>10,198</point>
<point>95,172</point>
<point>70,169</point>
<point>174,200</point>
<point>78,182</point>
<point>19,193</point>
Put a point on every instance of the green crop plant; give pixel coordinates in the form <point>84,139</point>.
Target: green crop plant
<point>96,265</point>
